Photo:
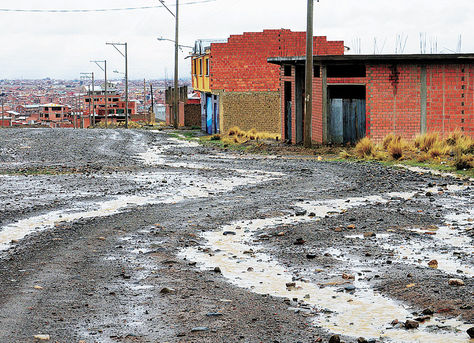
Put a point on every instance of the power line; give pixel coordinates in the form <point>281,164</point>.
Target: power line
<point>96,10</point>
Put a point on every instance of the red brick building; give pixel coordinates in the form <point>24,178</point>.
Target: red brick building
<point>237,85</point>
<point>94,103</point>
<point>373,95</point>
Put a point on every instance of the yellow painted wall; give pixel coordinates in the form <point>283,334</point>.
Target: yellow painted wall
<point>200,77</point>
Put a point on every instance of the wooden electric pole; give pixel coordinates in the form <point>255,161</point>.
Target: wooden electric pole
<point>176,90</point>
<point>106,96</point>
<point>309,77</point>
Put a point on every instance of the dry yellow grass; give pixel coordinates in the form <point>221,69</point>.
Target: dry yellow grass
<point>455,149</point>
<point>252,135</point>
<point>425,142</point>
<point>365,148</point>
<point>396,147</point>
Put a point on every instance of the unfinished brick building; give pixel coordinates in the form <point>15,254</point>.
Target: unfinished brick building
<point>237,85</point>
<point>373,95</point>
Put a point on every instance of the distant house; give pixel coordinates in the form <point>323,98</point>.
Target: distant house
<point>54,115</point>
<point>237,85</point>
<point>94,103</point>
<point>373,95</point>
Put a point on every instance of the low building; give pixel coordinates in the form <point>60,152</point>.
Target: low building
<point>237,85</point>
<point>54,115</point>
<point>189,108</point>
<point>94,103</point>
<point>373,95</point>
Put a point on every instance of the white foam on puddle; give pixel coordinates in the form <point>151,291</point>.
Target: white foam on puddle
<point>363,313</point>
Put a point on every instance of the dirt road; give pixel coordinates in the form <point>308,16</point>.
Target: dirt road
<point>133,236</point>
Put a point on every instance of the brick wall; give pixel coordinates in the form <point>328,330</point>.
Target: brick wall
<point>192,115</point>
<point>393,100</point>
<point>450,98</point>
<point>240,65</point>
<point>393,103</point>
<point>251,110</point>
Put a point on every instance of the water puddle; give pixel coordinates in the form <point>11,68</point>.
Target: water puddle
<point>353,312</point>
<point>430,171</point>
<point>20,229</point>
<point>177,187</point>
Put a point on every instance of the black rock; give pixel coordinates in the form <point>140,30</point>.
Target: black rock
<point>411,324</point>
<point>470,332</point>
<point>200,329</point>
<point>427,312</point>
<point>300,241</point>
<point>227,233</point>
<point>335,339</point>
<point>350,288</point>
<point>310,256</point>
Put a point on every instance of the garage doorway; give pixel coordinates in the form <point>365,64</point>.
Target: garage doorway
<point>347,113</point>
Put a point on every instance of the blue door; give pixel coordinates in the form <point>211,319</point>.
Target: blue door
<point>209,110</point>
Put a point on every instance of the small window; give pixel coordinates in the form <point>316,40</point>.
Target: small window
<point>287,70</point>
<point>200,67</point>
<point>207,67</point>
<point>317,71</point>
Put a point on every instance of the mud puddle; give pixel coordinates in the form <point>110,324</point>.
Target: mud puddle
<point>153,188</point>
<point>348,309</point>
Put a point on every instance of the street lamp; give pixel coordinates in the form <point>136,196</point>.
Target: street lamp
<point>91,97</point>
<point>170,40</point>
<point>106,95</point>
<point>125,55</point>
<point>176,47</point>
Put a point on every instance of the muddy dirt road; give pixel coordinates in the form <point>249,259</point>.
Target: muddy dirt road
<point>133,236</point>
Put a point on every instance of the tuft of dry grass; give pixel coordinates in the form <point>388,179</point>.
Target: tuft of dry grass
<point>364,148</point>
<point>463,161</point>
<point>387,140</point>
<point>344,154</point>
<point>455,149</point>
<point>426,141</point>
<point>396,147</point>
<point>251,135</point>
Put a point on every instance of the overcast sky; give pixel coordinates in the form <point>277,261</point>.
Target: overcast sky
<point>60,45</point>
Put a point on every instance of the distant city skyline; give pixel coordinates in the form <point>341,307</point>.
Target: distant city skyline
<point>60,45</point>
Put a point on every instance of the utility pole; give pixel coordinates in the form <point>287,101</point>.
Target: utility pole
<point>93,103</point>
<point>176,71</point>
<point>106,96</point>
<point>90,95</point>
<point>104,69</point>
<point>3,113</point>
<point>2,95</point>
<point>125,55</point>
<point>144,95</point>
<point>152,97</point>
<point>309,77</point>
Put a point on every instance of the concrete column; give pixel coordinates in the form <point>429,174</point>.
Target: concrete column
<point>325,118</point>
<point>423,99</point>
